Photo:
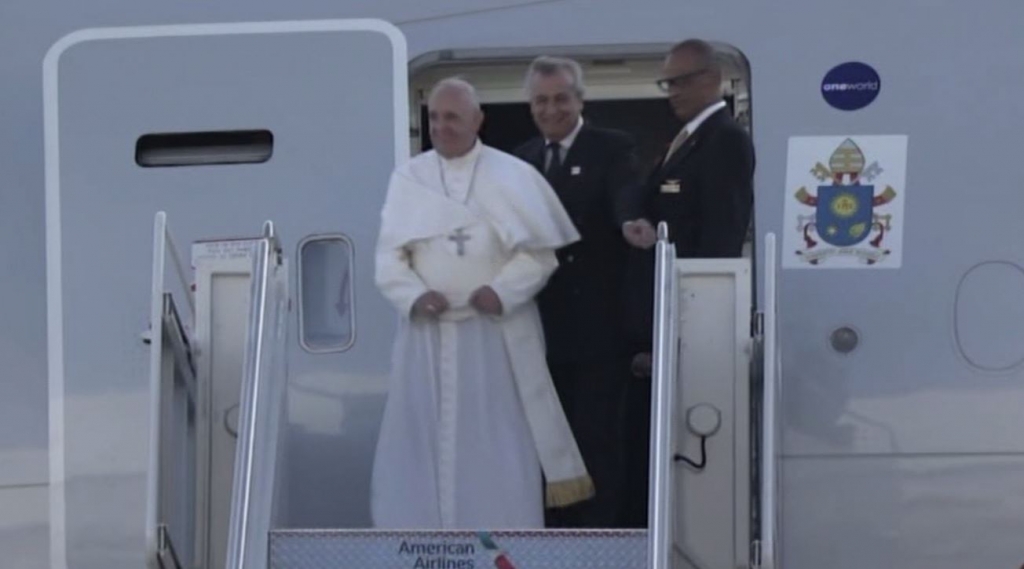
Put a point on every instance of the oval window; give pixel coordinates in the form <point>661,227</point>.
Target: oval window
<point>989,316</point>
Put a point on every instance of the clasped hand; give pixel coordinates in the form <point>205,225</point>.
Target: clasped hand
<point>432,303</point>
<point>486,301</point>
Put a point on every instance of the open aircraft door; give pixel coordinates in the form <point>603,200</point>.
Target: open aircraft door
<point>220,127</point>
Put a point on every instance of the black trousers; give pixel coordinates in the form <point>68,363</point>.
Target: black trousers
<point>593,397</point>
<point>637,443</point>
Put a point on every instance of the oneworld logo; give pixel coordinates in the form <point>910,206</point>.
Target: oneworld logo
<point>866,86</point>
<point>851,86</point>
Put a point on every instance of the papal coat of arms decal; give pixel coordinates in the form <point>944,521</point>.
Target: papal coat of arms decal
<point>847,213</point>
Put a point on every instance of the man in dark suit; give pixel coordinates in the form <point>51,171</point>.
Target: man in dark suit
<point>594,173</point>
<point>703,189</point>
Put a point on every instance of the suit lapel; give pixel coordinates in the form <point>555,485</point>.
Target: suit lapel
<point>577,150</point>
<point>537,156</point>
<point>687,148</point>
<point>680,155</point>
<point>558,178</point>
<point>572,165</point>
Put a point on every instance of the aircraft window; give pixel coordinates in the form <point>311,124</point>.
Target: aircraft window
<point>326,295</point>
<point>204,148</point>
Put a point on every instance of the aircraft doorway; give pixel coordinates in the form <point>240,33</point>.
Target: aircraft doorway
<point>621,93</point>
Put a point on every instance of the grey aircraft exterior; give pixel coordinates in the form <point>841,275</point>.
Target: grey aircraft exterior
<point>902,372</point>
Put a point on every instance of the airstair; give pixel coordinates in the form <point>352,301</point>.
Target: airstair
<point>218,383</point>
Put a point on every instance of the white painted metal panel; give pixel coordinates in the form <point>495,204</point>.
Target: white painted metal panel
<point>713,504</point>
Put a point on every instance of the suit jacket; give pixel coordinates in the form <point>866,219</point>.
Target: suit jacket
<point>599,186</point>
<point>705,194</point>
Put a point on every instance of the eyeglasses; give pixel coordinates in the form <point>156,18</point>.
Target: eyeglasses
<point>679,80</point>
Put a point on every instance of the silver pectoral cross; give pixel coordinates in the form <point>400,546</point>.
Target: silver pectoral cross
<point>460,239</point>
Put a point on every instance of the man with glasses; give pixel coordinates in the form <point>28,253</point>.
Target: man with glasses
<point>703,189</point>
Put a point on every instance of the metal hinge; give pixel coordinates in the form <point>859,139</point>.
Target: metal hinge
<point>757,324</point>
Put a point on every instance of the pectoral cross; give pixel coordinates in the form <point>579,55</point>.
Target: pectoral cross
<point>460,239</point>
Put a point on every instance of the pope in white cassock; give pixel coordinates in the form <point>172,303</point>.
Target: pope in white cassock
<point>473,435</point>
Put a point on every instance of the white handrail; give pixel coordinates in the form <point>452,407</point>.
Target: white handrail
<point>769,418</point>
<point>243,480</point>
<point>153,481</point>
<point>260,409</point>
<point>162,315</point>
<point>663,378</point>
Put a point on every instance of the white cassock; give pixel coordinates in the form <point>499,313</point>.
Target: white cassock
<point>473,435</point>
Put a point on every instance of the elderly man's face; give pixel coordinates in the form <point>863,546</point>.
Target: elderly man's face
<point>555,105</point>
<point>454,122</point>
<point>692,86</point>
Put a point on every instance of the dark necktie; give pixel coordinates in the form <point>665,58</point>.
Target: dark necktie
<point>555,161</point>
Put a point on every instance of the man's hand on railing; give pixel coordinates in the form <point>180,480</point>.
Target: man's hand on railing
<point>639,233</point>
